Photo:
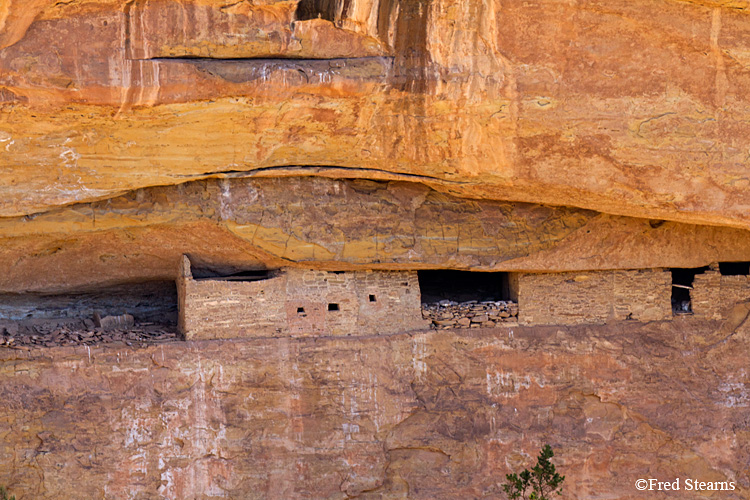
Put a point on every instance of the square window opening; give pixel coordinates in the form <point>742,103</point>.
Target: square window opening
<point>734,268</point>
<point>333,307</point>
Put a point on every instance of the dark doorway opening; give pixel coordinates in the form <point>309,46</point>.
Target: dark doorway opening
<point>682,284</point>
<point>463,286</point>
<point>253,275</point>
<point>734,268</point>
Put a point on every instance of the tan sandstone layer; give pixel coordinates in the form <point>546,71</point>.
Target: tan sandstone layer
<point>422,415</point>
<point>233,224</point>
<point>392,134</point>
<point>631,108</point>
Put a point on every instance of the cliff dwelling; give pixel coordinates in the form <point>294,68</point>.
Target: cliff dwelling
<point>308,302</point>
<point>373,249</point>
<point>293,301</point>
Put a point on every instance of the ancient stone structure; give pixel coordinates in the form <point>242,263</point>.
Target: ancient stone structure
<point>588,149</point>
<point>473,314</point>
<point>593,297</point>
<point>308,302</point>
<point>299,302</point>
<point>713,295</point>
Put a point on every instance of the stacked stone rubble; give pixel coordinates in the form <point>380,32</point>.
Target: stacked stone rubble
<point>49,334</point>
<point>473,314</point>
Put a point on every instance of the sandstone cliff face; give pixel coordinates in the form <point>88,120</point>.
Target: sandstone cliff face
<point>629,108</point>
<point>372,134</point>
<point>233,224</point>
<point>607,110</point>
<point>423,415</point>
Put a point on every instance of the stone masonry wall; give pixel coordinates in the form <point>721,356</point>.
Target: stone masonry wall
<point>472,314</point>
<point>594,297</point>
<point>340,303</point>
<point>643,295</point>
<point>300,302</point>
<point>225,309</point>
<point>308,295</point>
<point>389,302</point>
<point>713,295</point>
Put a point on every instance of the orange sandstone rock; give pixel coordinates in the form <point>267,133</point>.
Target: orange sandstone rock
<point>622,107</point>
<point>234,224</point>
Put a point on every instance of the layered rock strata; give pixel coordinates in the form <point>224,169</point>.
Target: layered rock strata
<point>429,415</point>
<point>622,107</point>
<point>231,225</point>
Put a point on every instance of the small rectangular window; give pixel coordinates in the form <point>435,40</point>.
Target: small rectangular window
<point>333,307</point>
<point>300,310</point>
<point>372,298</point>
<point>734,268</point>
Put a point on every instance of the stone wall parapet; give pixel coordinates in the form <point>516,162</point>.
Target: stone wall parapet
<point>472,314</point>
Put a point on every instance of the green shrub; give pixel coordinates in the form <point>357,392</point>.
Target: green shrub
<point>539,483</point>
<point>4,494</point>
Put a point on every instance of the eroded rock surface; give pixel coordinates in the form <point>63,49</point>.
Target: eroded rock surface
<point>372,134</point>
<point>433,415</point>
<point>630,108</point>
<point>235,224</point>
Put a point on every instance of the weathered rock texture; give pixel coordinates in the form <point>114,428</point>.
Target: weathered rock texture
<point>234,224</point>
<point>373,135</point>
<point>595,297</point>
<point>148,302</point>
<point>636,108</point>
<point>239,30</point>
<point>435,415</point>
<point>623,107</point>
